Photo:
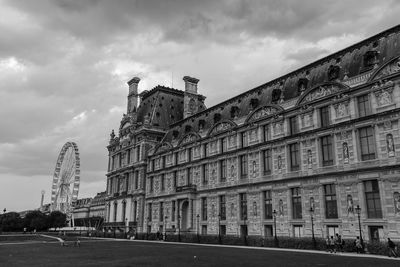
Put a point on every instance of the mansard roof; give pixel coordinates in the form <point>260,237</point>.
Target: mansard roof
<point>162,106</point>
<point>346,68</point>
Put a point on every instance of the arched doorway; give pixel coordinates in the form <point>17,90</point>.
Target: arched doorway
<point>185,215</point>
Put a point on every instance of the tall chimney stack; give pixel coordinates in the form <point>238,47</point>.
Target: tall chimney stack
<point>191,98</point>
<point>133,95</point>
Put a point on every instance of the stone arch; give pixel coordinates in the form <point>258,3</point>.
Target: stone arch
<point>221,127</point>
<point>392,66</point>
<point>321,91</point>
<point>264,111</point>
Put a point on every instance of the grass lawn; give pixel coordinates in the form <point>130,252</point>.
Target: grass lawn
<point>137,253</point>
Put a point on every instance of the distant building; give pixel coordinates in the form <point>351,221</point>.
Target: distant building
<point>320,141</point>
<point>89,211</point>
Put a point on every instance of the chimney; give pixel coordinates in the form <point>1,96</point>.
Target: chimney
<point>133,95</point>
<point>191,98</point>
<point>190,84</point>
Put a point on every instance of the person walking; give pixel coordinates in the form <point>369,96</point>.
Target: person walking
<point>359,247</point>
<point>328,244</point>
<point>392,248</point>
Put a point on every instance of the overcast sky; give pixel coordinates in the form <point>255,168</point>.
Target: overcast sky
<point>64,67</point>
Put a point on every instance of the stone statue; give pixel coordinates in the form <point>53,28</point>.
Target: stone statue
<point>350,206</point>
<point>385,98</point>
<point>390,145</point>
<point>345,153</point>
<point>280,207</point>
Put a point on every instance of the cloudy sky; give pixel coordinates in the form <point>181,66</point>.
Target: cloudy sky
<point>64,67</point>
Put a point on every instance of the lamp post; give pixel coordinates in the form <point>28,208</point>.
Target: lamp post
<point>198,227</point>
<point>358,211</point>
<point>245,229</point>
<point>165,227</point>
<point>274,213</point>
<point>179,228</point>
<point>126,227</point>
<point>219,228</point>
<point>312,227</point>
<point>147,230</point>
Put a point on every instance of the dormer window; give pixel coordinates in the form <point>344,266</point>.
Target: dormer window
<point>234,112</point>
<point>202,124</point>
<point>333,72</point>
<point>254,103</point>
<point>370,58</point>
<point>302,85</point>
<point>188,128</point>
<point>217,117</point>
<point>175,134</point>
<point>276,95</point>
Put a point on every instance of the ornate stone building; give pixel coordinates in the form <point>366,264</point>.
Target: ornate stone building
<point>319,142</point>
<point>90,211</point>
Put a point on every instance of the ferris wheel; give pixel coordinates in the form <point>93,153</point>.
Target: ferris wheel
<point>66,178</point>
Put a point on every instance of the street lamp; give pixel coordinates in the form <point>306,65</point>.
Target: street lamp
<point>358,211</point>
<point>198,227</point>
<point>245,229</point>
<point>179,228</point>
<point>274,213</point>
<point>165,227</point>
<point>126,227</point>
<point>219,228</point>
<point>312,227</point>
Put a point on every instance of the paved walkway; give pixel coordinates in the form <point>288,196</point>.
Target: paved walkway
<point>339,254</point>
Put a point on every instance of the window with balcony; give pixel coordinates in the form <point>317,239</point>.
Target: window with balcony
<point>296,203</point>
<point>189,151</point>
<point>367,143</point>
<point>161,215</point>
<point>150,212</point>
<point>136,179</point>
<point>151,185</point>
<point>372,198</point>
<point>330,202</point>
<point>205,174</point>
<point>173,210</point>
<point>189,176</point>
<point>162,182</point>
<point>223,145</point>
<point>327,150</point>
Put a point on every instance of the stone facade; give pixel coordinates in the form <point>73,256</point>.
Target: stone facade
<point>320,141</point>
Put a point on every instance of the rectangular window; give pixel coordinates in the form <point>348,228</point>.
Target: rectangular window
<point>223,145</point>
<point>161,211</point>
<point>294,157</point>
<point>327,150</point>
<point>298,230</point>
<point>189,173</point>
<point>135,218</point>
<point>119,160</point>
<point>364,107</point>
<point>205,174</point>
<point>243,138</point>
<point>150,212</point>
<point>128,156</point>
<point>189,154</point>
<point>138,153</point>
<point>136,179</point>
<point>330,202</point>
<point>205,150</point>
<point>243,206</point>
<point>162,182</point>
<point>222,207</point>
<point>163,162</point>
<point>151,184</point>
<point>243,166</point>
<point>296,203</point>
<point>367,143</point>
<point>175,179</point>
<point>373,200</point>
<point>266,134</point>
<point>204,208</point>
<point>293,125</point>
<point>267,205</point>
<point>268,231</point>
<point>267,161</point>
<point>173,210</point>
<point>153,165</point>
<point>222,166</point>
<point>324,115</point>
<point>176,158</point>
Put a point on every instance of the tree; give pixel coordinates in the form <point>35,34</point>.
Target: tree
<point>35,220</point>
<point>10,221</point>
<point>57,219</point>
